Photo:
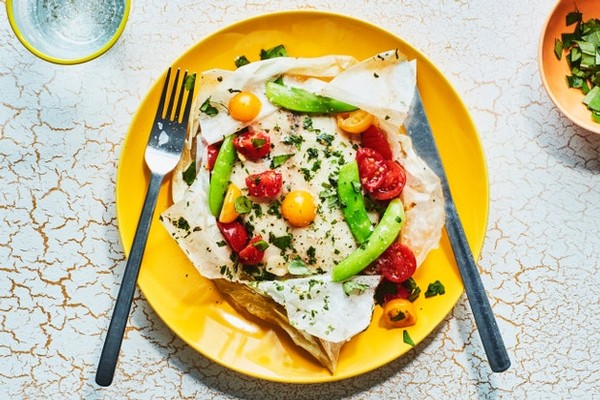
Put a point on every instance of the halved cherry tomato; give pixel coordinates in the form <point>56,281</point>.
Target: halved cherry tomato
<point>354,121</point>
<point>244,106</point>
<point>228,211</point>
<point>392,183</point>
<point>251,254</point>
<point>253,144</point>
<point>235,234</point>
<point>372,168</point>
<point>374,138</point>
<point>212,151</point>
<point>399,313</point>
<point>397,263</point>
<point>266,184</point>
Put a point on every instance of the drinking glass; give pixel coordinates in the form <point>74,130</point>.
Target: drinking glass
<point>68,31</point>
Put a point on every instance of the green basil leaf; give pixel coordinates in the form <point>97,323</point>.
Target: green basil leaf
<point>242,205</point>
<point>208,108</point>
<point>353,287</point>
<point>434,289</point>
<point>189,175</point>
<point>298,267</point>
<point>277,51</point>
<point>280,160</point>
<point>260,245</point>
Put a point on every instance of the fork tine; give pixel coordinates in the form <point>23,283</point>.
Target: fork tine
<point>180,99</point>
<point>163,95</point>
<point>172,98</point>
<point>188,105</point>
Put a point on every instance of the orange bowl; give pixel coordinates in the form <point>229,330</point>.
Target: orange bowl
<point>554,71</point>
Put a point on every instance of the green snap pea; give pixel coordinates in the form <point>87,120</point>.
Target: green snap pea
<point>382,237</point>
<point>220,175</point>
<point>353,202</point>
<point>296,99</point>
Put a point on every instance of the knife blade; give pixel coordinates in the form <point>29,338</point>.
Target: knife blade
<point>418,128</point>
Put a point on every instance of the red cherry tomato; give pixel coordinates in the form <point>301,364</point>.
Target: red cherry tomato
<point>253,144</point>
<point>397,263</point>
<point>371,168</point>
<point>212,151</point>
<point>235,234</point>
<point>266,184</point>
<point>251,254</point>
<point>374,138</point>
<point>392,184</point>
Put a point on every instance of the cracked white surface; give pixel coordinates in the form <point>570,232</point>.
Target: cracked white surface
<point>61,132</point>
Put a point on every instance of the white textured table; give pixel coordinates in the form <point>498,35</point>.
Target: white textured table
<point>61,132</point>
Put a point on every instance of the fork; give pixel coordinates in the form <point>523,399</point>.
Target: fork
<point>163,152</point>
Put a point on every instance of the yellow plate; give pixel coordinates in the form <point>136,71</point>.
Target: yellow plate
<point>193,308</point>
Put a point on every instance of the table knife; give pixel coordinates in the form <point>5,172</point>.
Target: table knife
<point>418,128</point>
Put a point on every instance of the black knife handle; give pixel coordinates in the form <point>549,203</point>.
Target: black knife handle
<point>419,130</point>
<point>482,312</point>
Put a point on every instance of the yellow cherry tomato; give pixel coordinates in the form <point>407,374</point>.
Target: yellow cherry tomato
<point>244,106</point>
<point>299,208</point>
<point>399,313</point>
<point>228,212</point>
<point>355,121</point>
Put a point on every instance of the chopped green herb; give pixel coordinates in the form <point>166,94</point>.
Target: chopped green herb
<point>258,143</point>
<point>316,166</point>
<point>311,253</point>
<point>574,17</point>
<point>330,196</point>
<point>413,288</point>
<point>295,140</point>
<point>308,123</point>
<point>258,273</point>
<point>241,61</point>
<point>583,57</point>
<point>280,160</point>
<point>398,317</point>
<point>312,153</point>
<point>208,109</point>
<point>182,223</point>
<point>353,287</point>
<point>434,289</point>
<point>222,243</point>
<point>274,209</point>
<point>325,139</point>
<point>277,51</point>
<point>298,267</point>
<point>189,174</point>
<point>281,242</point>
<point>406,338</point>
<point>257,210</point>
<point>242,205</point>
<point>558,48</point>
<point>260,245</point>
<point>190,80</point>
<point>306,173</point>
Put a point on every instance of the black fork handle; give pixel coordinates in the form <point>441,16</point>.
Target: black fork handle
<point>116,329</point>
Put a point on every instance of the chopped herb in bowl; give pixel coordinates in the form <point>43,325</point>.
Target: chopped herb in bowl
<point>581,49</point>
